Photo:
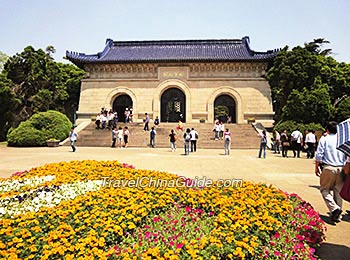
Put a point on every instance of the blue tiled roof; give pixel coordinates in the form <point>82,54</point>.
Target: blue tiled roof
<point>173,51</point>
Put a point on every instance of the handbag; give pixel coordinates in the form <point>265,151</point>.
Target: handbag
<point>345,191</point>
<point>285,144</point>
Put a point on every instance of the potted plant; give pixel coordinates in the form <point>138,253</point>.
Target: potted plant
<point>52,142</point>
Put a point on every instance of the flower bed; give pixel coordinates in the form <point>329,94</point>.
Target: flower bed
<point>98,221</point>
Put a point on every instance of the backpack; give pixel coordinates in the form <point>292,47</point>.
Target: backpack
<point>187,137</point>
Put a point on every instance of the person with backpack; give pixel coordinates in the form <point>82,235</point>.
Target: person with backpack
<point>152,134</point>
<point>263,143</point>
<point>187,139</point>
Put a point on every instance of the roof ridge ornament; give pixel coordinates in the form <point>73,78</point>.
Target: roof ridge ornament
<point>109,45</point>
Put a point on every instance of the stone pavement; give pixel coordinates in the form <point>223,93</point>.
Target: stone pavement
<point>289,174</point>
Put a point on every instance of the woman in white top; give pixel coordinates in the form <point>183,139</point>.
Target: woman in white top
<point>120,136</point>
<point>227,143</point>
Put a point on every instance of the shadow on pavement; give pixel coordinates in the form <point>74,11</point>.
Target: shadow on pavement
<point>327,220</point>
<point>315,186</point>
<point>329,251</point>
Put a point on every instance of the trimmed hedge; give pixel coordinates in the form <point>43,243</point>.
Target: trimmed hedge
<point>39,128</point>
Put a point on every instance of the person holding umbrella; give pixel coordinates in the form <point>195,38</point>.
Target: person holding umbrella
<point>343,145</point>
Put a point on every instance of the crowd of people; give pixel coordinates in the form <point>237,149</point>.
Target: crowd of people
<point>282,143</point>
<point>108,119</point>
<point>331,164</point>
<point>296,142</point>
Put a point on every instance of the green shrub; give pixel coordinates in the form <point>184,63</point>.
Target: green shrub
<point>40,128</point>
<point>290,126</point>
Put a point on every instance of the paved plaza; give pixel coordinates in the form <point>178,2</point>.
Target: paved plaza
<point>289,174</point>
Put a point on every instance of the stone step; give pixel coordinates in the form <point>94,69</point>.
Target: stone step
<point>243,136</point>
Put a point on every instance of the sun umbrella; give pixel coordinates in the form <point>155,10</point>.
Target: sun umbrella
<point>343,141</point>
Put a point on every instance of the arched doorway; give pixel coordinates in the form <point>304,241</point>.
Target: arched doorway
<point>120,104</point>
<point>173,106</point>
<point>225,109</point>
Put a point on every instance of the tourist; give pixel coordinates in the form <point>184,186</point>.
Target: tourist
<point>180,126</point>
<point>333,161</point>
<point>227,143</point>
<point>115,119</point>
<point>126,136</point>
<point>285,143</point>
<point>98,121</point>
<point>114,137</point>
<point>120,136</point>
<point>187,139</point>
<point>310,141</point>
<point>277,142</point>
<point>127,115</point>
<point>216,130</point>
<point>73,138</point>
<point>263,143</point>
<point>110,119</point>
<point>130,115</point>
<point>103,121</point>
<point>173,138</point>
<point>146,123</point>
<point>153,134</point>
<point>194,138</point>
<point>156,121</point>
<point>222,130</point>
<point>297,142</point>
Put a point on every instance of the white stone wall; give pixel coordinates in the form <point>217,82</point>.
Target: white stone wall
<point>201,84</point>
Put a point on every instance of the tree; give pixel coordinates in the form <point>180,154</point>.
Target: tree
<point>315,47</point>
<point>38,84</point>
<point>342,110</point>
<point>8,105</point>
<point>306,84</point>
<point>3,59</point>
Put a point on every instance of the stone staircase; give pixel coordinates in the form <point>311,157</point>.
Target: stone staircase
<point>244,136</point>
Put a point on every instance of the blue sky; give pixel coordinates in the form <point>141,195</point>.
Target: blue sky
<point>84,25</point>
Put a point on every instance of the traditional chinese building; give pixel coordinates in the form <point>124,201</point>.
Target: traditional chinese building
<point>182,79</point>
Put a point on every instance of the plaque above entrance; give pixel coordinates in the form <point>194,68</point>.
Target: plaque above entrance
<point>172,73</point>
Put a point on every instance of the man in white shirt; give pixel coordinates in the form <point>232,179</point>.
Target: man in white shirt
<point>310,141</point>
<point>194,137</point>
<point>297,142</point>
<point>103,121</point>
<point>330,177</point>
